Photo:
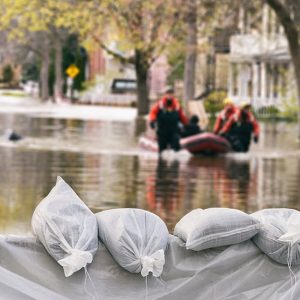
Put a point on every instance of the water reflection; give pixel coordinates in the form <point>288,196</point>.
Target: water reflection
<point>101,161</point>
<point>249,184</point>
<point>226,182</point>
<point>165,191</point>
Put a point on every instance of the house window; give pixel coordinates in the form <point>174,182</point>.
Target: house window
<point>269,80</point>
<point>249,79</point>
<point>258,79</point>
<point>275,81</point>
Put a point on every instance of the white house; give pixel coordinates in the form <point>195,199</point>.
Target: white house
<point>260,66</point>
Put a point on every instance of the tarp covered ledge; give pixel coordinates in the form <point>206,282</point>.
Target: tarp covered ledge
<point>237,272</point>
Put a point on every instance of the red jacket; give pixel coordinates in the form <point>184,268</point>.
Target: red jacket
<point>223,117</point>
<point>161,104</point>
<point>237,118</point>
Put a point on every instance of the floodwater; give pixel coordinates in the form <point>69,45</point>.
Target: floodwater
<point>101,160</point>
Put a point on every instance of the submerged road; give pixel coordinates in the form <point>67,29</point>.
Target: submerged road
<point>95,150</point>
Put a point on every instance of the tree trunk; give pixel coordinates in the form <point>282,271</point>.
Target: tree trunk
<point>296,63</point>
<point>191,52</point>
<point>141,70</point>
<point>44,76</point>
<point>58,90</point>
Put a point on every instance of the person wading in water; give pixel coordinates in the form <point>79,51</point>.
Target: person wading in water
<point>240,127</point>
<point>224,115</point>
<point>165,117</point>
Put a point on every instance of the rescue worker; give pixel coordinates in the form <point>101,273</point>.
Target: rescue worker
<point>225,114</point>
<point>192,127</point>
<point>240,127</point>
<point>166,116</point>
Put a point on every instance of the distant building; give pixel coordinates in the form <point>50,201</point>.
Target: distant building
<point>260,65</point>
<point>105,68</point>
<point>96,63</point>
<point>212,65</point>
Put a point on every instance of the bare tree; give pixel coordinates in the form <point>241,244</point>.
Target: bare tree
<point>144,27</point>
<point>191,50</point>
<point>28,18</point>
<point>201,19</point>
<point>37,43</point>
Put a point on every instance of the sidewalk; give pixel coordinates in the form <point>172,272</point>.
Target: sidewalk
<point>26,105</point>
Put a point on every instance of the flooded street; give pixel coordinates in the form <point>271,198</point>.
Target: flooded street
<point>101,160</point>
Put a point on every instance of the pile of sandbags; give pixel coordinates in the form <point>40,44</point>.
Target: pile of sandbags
<point>69,231</point>
<point>276,231</point>
<point>138,239</point>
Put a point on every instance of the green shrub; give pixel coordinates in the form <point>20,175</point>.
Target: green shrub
<point>267,112</point>
<point>7,74</point>
<point>214,102</point>
<point>290,109</point>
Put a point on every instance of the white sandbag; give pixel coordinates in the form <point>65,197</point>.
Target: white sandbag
<point>279,236</point>
<point>137,239</point>
<point>66,227</point>
<point>215,227</point>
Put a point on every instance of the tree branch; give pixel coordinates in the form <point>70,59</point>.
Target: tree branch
<point>121,58</point>
<point>125,15</point>
<point>164,45</point>
<point>158,21</point>
<point>34,50</point>
<point>290,27</point>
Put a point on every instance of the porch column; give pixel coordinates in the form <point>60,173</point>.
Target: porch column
<point>254,99</point>
<point>263,84</point>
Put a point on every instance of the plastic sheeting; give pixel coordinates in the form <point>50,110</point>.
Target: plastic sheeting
<point>237,272</point>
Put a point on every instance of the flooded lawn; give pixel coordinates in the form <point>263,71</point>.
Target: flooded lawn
<point>100,159</point>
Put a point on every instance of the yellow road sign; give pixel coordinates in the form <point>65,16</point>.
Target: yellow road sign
<point>72,71</point>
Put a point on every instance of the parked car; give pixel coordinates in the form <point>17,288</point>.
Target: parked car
<point>123,86</point>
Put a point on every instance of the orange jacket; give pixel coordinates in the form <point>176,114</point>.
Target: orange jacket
<point>161,104</point>
<point>223,117</point>
<point>237,118</point>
